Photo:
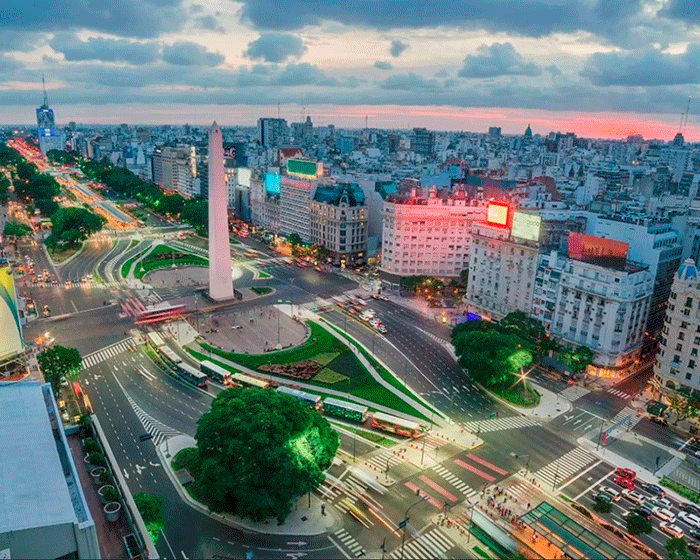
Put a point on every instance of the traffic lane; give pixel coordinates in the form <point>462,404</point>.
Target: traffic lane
<point>591,478</point>
<point>355,444</point>
<point>441,330</point>
<point>639,452</point>
<point>602,403</point>
<point>576,421</point>
<point>118,246</point>
<point>636,383</point>
<point>664,435</point>
<point>129,253</point>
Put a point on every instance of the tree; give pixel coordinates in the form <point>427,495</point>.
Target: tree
<point>38,186</point>
<point>637,524</point>
<point>171,204</point>
<point>196,213</point>
<point>16,229</point>
<point>48,207</point>
<point>602,506</point>
<point>150,507</point>
<point>294,239</point>
<point>4,188</point>
<point>260,449</point>
<point>59,363</point>
<point>71,225</point>
<point>528,329</point>
<point>581,359</point>
<point>677,548</point>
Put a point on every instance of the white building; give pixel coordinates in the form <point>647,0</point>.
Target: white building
<point>295,206</point>
<point>427,236</point>
<point>501,273</point>
<point>676,371</point>
<point>175,169</point>
<point>587,304</point>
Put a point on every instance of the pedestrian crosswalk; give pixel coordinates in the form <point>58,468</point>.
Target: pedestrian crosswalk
<point>452,479</point>
<point>384,461</point>
<point>574,392</point>
<point>628,418</point>
<point>564,467</point>
<point>349,542</point>
<point>434,337</point>
<point>106,353</point>
<point>524,492</point>
<point>158,430</point>
<point>497,424</point>
<point>429,545</point>
<point>620,394</point>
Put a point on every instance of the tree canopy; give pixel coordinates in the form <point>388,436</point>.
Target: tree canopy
<point>38,186</point>
<point>260,449</point>
<point>71,225</point>
<point>677,548</point>
<point>63,157</point>
<point>150,507</point>
<point>528,329</point>
<point>47,206</point>
<point>16,229</point>
<point>637,524</point>
<point>58,363</point>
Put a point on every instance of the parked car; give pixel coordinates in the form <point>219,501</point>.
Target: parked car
<point>690,508</point>
<point>626,473</point>
<point>642,510</point>
<point>695,533</point>
<point>670,529</point>
<point>382,329</point>
<point>664,514</point>
<point>659,420</point>
<point>660,502</point>
<point>632,496</point>
<point>602,497</point>
<point>624,482</point>
<point>653,489</point>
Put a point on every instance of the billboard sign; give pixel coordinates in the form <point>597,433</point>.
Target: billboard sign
<point>303,169</point>
<point>10,330</point>
<point>526,226</point>
<point>272,183</point>
<point>497,214</point>
<point>244,177</point>
<point>597,250</point>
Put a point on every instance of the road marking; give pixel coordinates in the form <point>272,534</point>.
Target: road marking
<point>488,465</point>
<point>594,484</point>
<point>482,474</point>
<point>183,554</point>
<point>126,474</point>
<point>337,545</point>
<point>438,488</point>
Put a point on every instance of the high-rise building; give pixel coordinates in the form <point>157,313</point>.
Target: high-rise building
<point>676,372</point>
<point>220,276</point>
<point>423,142</point>
<point>297,189</point>
<point>273,132</point>
<point>49,137</point>
<point>175,168</point>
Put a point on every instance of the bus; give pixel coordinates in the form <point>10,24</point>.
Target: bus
<point>154,340</point>
<point>170,357</point>
<point>248,380</point>
<point>388,423</point>
<point>216,372</point>
<point>346,410</point>
<point>313,401</point>
<point>192,375</point>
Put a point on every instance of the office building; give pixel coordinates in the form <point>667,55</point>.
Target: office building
<point>676,372</point>
<point>423,142</point>
<point>273,132</point>
<point>339,222</point>
<point>49,137</point>
<point>265,202</point>
<point>175,169</point>
<point>297,189</point>
<point>43,512</point>
<point>12,355</point>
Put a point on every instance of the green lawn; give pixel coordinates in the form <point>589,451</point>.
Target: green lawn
<point>127,265</point>
<point>145,267</point>
<point>59,256</point>
<point>517,395</point>
<point>261,290</point>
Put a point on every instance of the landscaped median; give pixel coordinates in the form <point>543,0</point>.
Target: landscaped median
<point>325,362</point>
<point>160,256</point>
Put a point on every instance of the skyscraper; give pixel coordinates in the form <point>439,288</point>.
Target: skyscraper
<point>220,278</point>
<point>49,138</point>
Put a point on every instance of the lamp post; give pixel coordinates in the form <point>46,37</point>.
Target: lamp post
<point>471,515</point>
<point>405,521</point>
<point>291,281</point>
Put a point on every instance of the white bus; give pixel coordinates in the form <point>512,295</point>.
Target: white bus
<point>216,372</point>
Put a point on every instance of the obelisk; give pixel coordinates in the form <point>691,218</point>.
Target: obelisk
<point>220,277</point>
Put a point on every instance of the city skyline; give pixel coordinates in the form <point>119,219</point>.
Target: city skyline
<point>606,70</point>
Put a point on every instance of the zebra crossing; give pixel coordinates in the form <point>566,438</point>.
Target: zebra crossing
<point>106,353</point>
<point>573,393</point>
<point>524,492</point>
<point>460,485</point>
<point>158,430</point>
<point>431,544</point>
<point>620,394</point>
<point>380,462</point>
<point>349,542</point>
<point>627,412</point>
<point>565,466</point>
<point>497,424</point>
<point>435,337</point>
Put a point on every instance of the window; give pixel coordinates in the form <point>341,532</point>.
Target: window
<point>676,359</point>
<point>691,364</point>
<point>679,347</point>
<point>684,325</point>
<point>681,336</point>
<point>689,302</point>
<point>688,376</point>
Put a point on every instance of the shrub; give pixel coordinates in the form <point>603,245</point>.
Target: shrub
<point>96,458</point>
<point>90,445</point>
<point>582,510</point>
<point>602,506</point>
<point>110,494</point>
<point>106,477</point>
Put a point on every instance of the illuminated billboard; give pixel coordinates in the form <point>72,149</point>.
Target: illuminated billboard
<point>526,226</point>
<point>597,250</point>
<point>272,183</point>
<point>10,330</point>
<point>304,169</point>
<point>497,214</point>
<point>244,177</point>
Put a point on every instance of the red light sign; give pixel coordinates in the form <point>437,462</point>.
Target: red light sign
<point>497,214</point>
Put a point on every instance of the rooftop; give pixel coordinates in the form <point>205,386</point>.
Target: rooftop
<point>348,193</point>
<point>37,487</point>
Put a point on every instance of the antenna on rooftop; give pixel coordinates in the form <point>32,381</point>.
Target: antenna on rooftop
<point>46,97</point>
<point>365,122</point>
<point>687,110</point>
<point>278,109</point>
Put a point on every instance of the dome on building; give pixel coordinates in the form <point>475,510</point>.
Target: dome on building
<point>688,270</point>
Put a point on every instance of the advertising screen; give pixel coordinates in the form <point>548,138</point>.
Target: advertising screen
<point>10,330</point>
<point>244,177</point>
<point>497,214</point>
<point>526,226</point>
<point>302,168</point>
<point>597,250</point>
<point>272,183</point>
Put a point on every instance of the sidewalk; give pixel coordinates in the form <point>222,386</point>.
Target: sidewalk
<point>303,520</point>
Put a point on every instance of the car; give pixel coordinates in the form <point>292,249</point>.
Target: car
<point>34,279</point>
<point>624,482</point>
<point>614,494</point>
<point>695,533</point>
<point>690,508</point>
<point>642,510</point>
<point>663,514</point>
<point>653,489</point>
<point>626,473</point>
<point>382,329</point>
<point>670,529</point>
<point>660,502</point>
<point>602,497</point>
<point>54,281</point>
<point>691,519</point>
<point>659,420</point>
<point>632,496</point>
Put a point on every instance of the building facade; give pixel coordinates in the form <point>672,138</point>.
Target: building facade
<point>423,142</point>
<point>676,372</point>
<point>175,169</point>
<point>339,222</point>
<point>273,132</point>
<point>430,236</point>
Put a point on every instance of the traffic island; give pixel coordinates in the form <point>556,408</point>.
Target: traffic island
<point>309,516</point>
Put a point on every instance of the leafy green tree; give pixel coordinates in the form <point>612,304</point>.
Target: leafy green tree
<point>677,548</point>
<point>601,506</point>
<point>38,186</point>
<point>4,189</point>
<point>637,524</point>
<point>196,213</point>
<point>71,225</point>
<point>16,229</point>
<point>528,329</point>
<point>48,207</point>
<point>294,240</point>
<point>63,157</point>
<point>260,449</point>
<point>25,171</point>
<point>171,204</point>
<point>150,507</point>
<point>59,363</point>
<point>581,359</point>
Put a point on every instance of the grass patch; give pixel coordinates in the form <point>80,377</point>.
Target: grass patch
<point>261,290</point>
<point>262,274</point>
<point>58,256</point>
<point>134,243</point>
<point>326,358</point>
<point>683,490</point>
<point>127,265</point>
<point>187,458</point>
<point>374,437</point>
<point>145,267</point>
<point>329,376</point>
<point>481,553</point>
<point>517,395</point>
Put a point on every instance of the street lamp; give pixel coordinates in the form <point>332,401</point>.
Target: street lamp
<point>471,517</point>
<point>405,520</point>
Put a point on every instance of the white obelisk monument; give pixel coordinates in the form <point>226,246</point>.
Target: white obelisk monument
<point>220,277</point>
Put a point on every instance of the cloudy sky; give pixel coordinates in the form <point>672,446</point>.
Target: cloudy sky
<point>604,68</point>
